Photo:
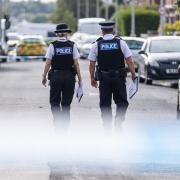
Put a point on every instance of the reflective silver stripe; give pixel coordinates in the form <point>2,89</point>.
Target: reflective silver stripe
<point>63,29</point>
<point>107,27</point>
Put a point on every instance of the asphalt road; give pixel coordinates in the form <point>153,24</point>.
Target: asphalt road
<point>147,148</point>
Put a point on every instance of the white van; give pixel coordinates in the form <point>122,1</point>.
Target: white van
<point>90,25</point>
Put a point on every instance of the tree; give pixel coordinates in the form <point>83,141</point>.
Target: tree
<point>30,9</point>
<point>111,10</point>
<point>178,3</point>
<point>63,15</point>
<point>146,19</point>
<point>72,6</point>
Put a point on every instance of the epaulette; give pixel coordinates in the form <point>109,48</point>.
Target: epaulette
<point>71,42</point>
<point>99,39</point>
<point>118,37</point>
<point>54,42</point>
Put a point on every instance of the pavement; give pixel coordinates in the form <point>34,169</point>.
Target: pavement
<point>147,147</point>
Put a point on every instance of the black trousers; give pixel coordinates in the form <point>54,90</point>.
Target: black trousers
<point>113,87</point>
<point>62,85</point>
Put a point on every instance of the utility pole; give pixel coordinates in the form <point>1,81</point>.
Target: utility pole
<point>162,14</point>
<point>133,18</point>
<point>1,8</point>
<point>78,9</point>
<point>87,8</point>
<point>117,8</point>
<point>106,10</point>
<point>97,8</point>
<point>3,33</point>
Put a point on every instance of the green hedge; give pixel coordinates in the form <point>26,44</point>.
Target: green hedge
<point>146,19</point>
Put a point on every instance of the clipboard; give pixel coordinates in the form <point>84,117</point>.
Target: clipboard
<point>133,88</point>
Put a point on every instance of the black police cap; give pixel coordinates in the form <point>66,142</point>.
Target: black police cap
<point>61,28</point>
<point>107,25</point>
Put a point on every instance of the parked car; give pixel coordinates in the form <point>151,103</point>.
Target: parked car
<point>51,37</point>
<point>135,44</point>
<point>178,97</point>
<point>12,40</point>
<point>31,47</point>
<point>160,58</point>
<point>85,47</point>
<point>3,53</point>
<point>84,42</point>
<point>78,38</point>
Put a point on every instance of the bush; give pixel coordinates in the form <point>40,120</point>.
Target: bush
<point>111,11</point>
<point>146,20</point>
<point>169,29</point>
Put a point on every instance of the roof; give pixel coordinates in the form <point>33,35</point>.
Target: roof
<point>132,38</point>
<point>163,37</point>
<point>91,20</point>
<point>31,36</point>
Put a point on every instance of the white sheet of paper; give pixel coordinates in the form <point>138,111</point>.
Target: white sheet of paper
<point>133,88</point>
<point>79,92</point>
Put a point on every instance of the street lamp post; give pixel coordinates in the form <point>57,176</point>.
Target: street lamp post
<point>78,9</point>
<point>1,8</point>
<point>3,32</point>
<point>87,8</point>
<point>132,18</point>
<point>162,13</point>
<point>106,10</point>
<point>117,7</point>
<point>97,8</point>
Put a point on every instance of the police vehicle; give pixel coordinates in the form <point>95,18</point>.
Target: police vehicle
<point>31,47</point>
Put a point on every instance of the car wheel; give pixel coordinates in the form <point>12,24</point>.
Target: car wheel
<point>178,102</point>
<point>178,108</point>
<point>17,60</point>
<point>147,81</point>
<point>4,60</point>
<point>141,80</point>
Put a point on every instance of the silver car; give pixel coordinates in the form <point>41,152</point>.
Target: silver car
<point>160,58</point>
<point>135,44</point>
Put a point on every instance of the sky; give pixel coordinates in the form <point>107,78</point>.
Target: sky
<point>40,0</point>
<point>54,0</point>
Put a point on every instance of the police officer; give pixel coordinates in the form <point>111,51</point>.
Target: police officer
<point>110,54</point>
<point>62,65</point>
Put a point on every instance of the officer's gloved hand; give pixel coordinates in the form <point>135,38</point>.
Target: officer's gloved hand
<point>80,83</point>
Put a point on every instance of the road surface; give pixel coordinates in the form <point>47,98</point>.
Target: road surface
<point>147,147</point>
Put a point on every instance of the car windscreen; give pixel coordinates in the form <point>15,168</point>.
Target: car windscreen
<point>165,46</point>
<point>13,38</point>
<point>90,39</point>
<point>32,41</point>
<point>89,28</point>
<point>133,44</point>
